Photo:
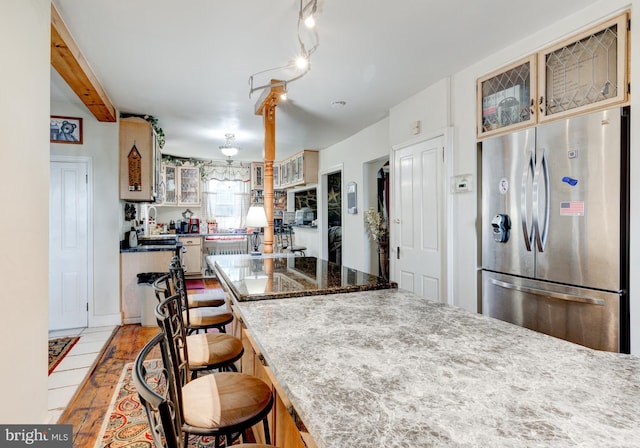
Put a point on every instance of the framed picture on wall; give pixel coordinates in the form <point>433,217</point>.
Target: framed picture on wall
<point>65,130</point>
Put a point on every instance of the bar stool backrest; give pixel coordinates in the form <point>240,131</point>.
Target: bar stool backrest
<point>158,391</point>
<point>176,274</point>
<point>169,315</point>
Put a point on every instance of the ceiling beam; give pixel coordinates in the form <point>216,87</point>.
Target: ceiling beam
<point>68,61</point>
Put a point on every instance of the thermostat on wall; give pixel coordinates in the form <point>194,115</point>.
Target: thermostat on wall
<point>462,183</point>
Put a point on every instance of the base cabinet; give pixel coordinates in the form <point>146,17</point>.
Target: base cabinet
<point>285,428</point>
<point>132,264</point>
<point>192,257</point>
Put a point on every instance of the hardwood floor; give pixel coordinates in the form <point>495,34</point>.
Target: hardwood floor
<point>89,407</point>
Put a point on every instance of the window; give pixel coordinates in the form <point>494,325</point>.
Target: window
<point>228,202</point>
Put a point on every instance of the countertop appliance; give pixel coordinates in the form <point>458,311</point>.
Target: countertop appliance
<point>304,216</point>
<point>555,227</point>
<point>194,225</point>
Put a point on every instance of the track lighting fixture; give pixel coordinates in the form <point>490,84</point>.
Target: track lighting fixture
<point>307,13</point>
<point>306,16</point>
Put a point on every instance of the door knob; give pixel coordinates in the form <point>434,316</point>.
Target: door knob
<point>397,221</point>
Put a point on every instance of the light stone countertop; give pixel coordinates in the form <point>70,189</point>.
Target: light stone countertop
<point>389,369</point>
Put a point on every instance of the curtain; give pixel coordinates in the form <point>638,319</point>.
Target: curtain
<point>226,201</point>
<point>226,171</point>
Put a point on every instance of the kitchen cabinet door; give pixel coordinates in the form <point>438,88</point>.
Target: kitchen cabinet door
<point>276,175</point>
<point>138,158</point>
<point>257,175</point>
<point>192,257</point>
<point>189,186</point>
<point>585,72</point>
<point>170,185</point>
<point>506,98</point>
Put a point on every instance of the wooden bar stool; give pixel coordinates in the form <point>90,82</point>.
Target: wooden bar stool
<point>221,405</point>
<point>160,395</point>
<point>206,351</point>
<point>200,300</point>
<point>197,318</point>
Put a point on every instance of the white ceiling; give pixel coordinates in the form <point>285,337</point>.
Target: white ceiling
<point>188,62</point>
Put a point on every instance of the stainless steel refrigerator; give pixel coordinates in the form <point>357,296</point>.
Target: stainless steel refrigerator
<point>555,229</point>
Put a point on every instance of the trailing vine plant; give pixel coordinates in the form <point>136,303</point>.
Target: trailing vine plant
<point>154,124</point>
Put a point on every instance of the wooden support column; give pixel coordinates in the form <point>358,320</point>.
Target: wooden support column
<point>266,106</point>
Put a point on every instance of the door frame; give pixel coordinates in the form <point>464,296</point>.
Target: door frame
<point>447,215</point>
<point>323,191</point>
<point>88,162</point>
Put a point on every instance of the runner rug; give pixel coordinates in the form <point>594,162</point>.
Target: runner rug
<point>126,422</point>
<point>194,284</point>
<point>58,349</point>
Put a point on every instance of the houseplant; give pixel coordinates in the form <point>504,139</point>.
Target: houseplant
<point>377,230</point>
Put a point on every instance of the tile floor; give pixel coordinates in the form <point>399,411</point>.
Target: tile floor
<point>71,371</point>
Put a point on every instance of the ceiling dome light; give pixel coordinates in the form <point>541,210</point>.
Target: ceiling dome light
<point>229,148</point>
<point>229,152</point>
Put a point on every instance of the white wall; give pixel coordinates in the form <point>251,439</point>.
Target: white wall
<point>24,119</point>
<point>100,143</point>
<point>430,107</point>
<point>351,154</point>
<point>450,104</point>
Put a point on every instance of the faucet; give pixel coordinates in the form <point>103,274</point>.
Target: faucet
<point>148,209</point>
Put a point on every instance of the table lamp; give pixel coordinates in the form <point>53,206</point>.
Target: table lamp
<point>256,218</point>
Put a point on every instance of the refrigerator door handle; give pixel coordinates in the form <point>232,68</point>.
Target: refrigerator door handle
<point>546,293</point>
<point>528,172</point>
<point>540,227</point>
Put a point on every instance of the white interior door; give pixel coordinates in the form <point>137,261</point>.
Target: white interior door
<point>68,245</point>
<point>417,222</point>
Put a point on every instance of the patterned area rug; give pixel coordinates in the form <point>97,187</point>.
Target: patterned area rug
<point>58,349</point>
<point>126,422</point>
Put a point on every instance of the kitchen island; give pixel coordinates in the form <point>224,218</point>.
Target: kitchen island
<point>385,368</point>
<point>277,276</point>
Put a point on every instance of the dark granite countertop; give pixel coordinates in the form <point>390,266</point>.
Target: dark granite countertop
<point>151,248</point>
<point>273,277</point>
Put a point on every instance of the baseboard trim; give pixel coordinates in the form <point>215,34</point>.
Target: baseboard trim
<point>106,320</point>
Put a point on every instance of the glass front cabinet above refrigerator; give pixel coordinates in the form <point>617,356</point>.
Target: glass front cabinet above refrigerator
<point>583,73</point>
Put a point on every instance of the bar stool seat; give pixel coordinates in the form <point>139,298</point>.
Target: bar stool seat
<point>210,317</point>
<point>213,350</point>
<point>240,398</point>
<point>298,250</point>
<point>213,298</point>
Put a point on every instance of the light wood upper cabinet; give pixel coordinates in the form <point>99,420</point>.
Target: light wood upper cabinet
<point>257,175</point>
<point>139,155</point>
<point>585,72</point>
<point>189,185</point>
<point>276,175</point>
<point>299,169</point>
<point>179,185</point>
<point>506,98</point>
<point>169,185</point>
